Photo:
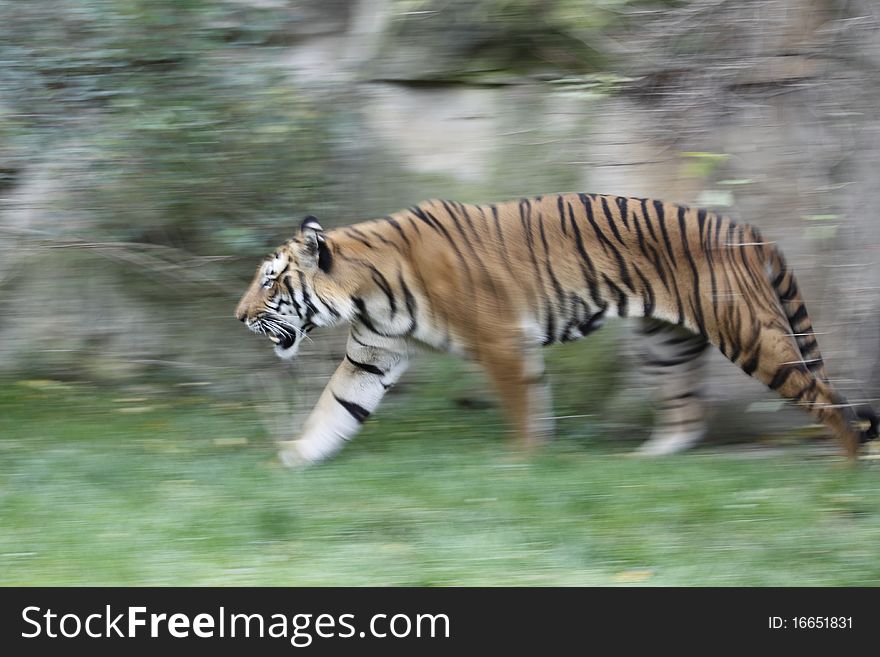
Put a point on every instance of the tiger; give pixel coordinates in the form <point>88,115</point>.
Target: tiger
<point>495,283</point>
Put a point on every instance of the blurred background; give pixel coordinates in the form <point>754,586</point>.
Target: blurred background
<point>152,151</point>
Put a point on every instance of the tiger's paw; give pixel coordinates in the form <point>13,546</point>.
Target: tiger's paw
<point>291,455</point>
<point>664,444</point>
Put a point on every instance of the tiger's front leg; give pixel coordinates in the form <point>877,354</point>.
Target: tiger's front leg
<point>372,365</point>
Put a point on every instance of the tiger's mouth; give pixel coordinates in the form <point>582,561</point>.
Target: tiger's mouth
<point>281,335</point>
<point>283,341</point>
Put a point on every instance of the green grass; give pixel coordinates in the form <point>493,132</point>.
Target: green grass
<point>97,489</point>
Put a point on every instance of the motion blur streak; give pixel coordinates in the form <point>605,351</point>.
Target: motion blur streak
<point>152,151</point>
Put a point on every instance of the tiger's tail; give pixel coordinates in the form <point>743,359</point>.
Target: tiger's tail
<point>861,417</point>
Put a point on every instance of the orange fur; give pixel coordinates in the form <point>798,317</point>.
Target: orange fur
<point>494,282</point>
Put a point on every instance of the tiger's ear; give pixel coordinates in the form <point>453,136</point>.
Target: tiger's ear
<point>314,244</point>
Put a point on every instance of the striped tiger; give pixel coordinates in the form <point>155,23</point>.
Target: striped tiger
<point>495,283</point>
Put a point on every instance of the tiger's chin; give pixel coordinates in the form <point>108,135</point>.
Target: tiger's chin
<point>287,353</point>
<point>286,348</point>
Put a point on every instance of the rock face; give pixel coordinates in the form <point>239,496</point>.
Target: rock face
<point>763,110</point>
<point>766,116</point>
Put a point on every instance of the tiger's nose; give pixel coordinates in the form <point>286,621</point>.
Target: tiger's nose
<point>241,314</point>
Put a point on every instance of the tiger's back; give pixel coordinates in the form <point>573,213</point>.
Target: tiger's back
<point>497,282</point>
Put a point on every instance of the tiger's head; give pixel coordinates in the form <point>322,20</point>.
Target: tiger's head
<point>287,299</point>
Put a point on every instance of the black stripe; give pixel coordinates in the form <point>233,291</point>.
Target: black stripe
<point>621,297</point>
<point>358,412</point>
<point>806,390</point>
<point>798,315</point>
<point>487,277</point>
<point>293,300</point>
<point>382,239</point>
<point>680,339</point>
<point>380,280</point>
<point>639,235</point>
<point>750,365</point>
<point>652,257</point>
<point>410,301</point>
<point>588,209</point>
<point>561,207</point>
<point>661,219</point>
<point>505,256</point>
<point>311,309</point>
<point>790,292</point>
<point>429,219</point>
<point>710,261</point>
<point>621,263</point>
<point>742,284</point>
<point>610,219</point>
<point>622,206</point>
<point>327,305</point>
<point>525,216</point>
<point>624,270</point>
<point>655,260</point>
<point>366,367</point>
<point>592,324</point>
<point>494,209</point>
<point>454,217</point>
<point>647,294</point>
<point>470,222</point>
<point>589,276</point>
<point>743,239</point>
<point>550,336</point>
<point>415,224</point>
<point>666,362</point>
<point>500,234</point>
<point>357,235</point>
<point>647,217</point>
<point>779,278</point>
<point>548,260</point>
<point>694,350</point>
<point>359,341</point>
<point>432,221</point>
<point>815,364</point>
<point>701,220</point>
<point>363,316</point>
<point>736,350</point>
<point>808,344</point>
<point>698,310</point>
<point>783,372</point>
<point>713,250</point>
<point>565,333</point>
<point>397,227</point>
<point>652,327</point>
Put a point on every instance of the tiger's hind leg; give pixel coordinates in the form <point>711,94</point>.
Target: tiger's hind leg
<point>774,359</point>
<point>673,360</point>
<point>517,373</point>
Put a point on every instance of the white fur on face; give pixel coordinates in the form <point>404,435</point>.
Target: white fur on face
<point>290,352</point>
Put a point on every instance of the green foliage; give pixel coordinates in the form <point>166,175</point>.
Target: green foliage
<point>487,41</point>
<point>178,490</point>
<point>174,133</point>
<point>701,165</point>
<point>218,158</point>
